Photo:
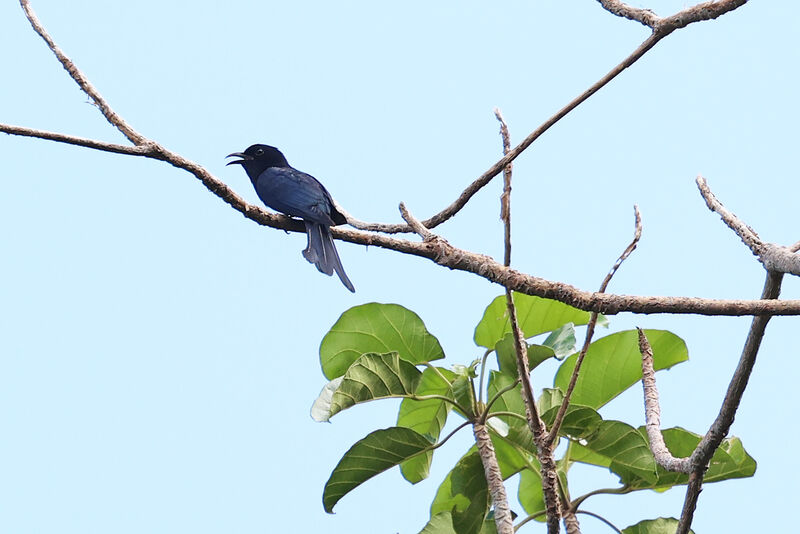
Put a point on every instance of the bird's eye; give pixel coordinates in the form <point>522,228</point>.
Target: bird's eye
<point>260,152</point>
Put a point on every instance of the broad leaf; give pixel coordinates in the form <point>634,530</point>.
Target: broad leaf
<point>562,341</point>
<point>730,460</point>
<point>375,376</point>
<point>442,523</point>
<point>370,456</point>
<point>622,449</point>
<point>511,457</point>
<point>536,315</point>
<point>506,354</point>
<point>426,417</point>
<point>662,525</point>
<point>579,421</point>
<point>378,328</point>
<point>321,409</point>
<point>464,395</point>
<point>464,494</point>
<point>530,493</point>
<point>613,364</point>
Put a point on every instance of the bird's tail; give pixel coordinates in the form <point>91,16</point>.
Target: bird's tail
<point>322,253</point>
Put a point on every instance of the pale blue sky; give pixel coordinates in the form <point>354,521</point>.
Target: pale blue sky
<point>159,352</point>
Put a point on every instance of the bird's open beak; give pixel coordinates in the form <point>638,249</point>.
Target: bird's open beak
<point>242,155</point>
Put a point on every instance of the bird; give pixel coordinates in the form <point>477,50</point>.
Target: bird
<point>296,194</point>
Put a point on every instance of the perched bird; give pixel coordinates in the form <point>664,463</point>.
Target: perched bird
<point>297,194</point>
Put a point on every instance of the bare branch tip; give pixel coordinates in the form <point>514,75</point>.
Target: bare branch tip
<point>414,223</point>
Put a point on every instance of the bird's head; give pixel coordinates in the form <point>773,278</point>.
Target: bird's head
<point>258,158</point>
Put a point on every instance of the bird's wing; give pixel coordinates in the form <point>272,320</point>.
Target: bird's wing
<point>295,193</point>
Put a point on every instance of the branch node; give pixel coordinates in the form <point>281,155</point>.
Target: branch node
<point>415,225</point>
<point>773,257</point>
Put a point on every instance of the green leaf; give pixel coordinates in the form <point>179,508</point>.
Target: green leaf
<point>579,421</point>
<point>464,395</point>
<point>506,354</point>
<point>510,457</point>
<point>321,409</point>
<point>579,453</point>
<point>530,493</point>
<point>374,454</point>
<point>730,460</point>
<point>536,315</point>
<point>613,364</point>
<point>426,417</point>
<point>465,494</point>
<point>562,341</point>
<point>442,523</point>
<point>662,525</point>
<point>378,328</point>
<point>375,376</point>
<point>625,448</point>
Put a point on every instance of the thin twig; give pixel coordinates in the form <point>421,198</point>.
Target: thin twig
<point>549,474</point>
<point>117,121</point>
<point>601,518</point>
<point>498,167</point>
<point>482,374</point>
<point>505,198</point>
<point>78,141</point>
<point>722,424</point>
<point>544,451</point>
<point>774,257</point>
<point>418,227</point>
<point>658,447</point>
<point>448,436</point>
<point>497,396</point>
<point>590,327</point>
<point>663,27</point>
<point>603,491</point>
<point>527,519</point>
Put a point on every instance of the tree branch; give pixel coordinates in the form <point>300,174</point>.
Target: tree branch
<point>653,413</point>
<point>512,154</point>
<point>439,250</point>
<point>544,451</point>
<point>98,100</point>
<point>502,513</point>
<point>79,141</point>
<point>722,424</point>
<point>505,198</point>
<point>562,410</point>
<point>666,25</point>
<point>774,257</point>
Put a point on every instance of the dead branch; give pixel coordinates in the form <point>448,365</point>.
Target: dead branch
<point>658,447</point>
<point>722,424</point>
<point>774,257</point>
<point>562,410</point>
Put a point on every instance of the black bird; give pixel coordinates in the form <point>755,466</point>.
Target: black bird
<point>297,194</point>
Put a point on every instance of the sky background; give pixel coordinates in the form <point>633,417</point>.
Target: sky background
<point>159,352</point>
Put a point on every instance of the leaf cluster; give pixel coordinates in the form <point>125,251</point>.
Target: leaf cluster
<point>378,351</point>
